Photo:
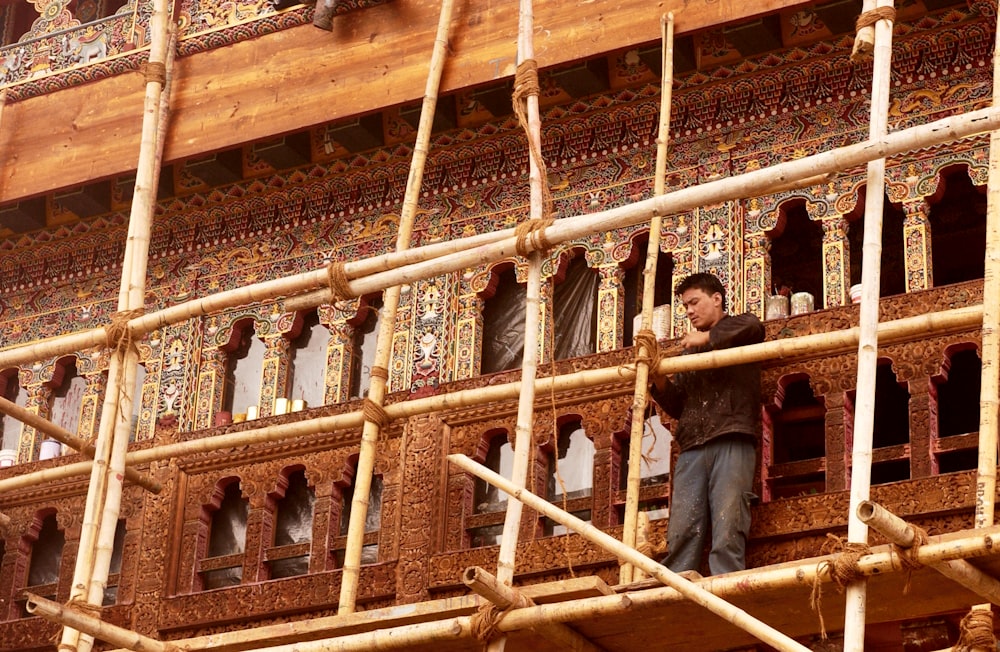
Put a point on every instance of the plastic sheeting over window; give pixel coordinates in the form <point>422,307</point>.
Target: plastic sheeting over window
<point>576,311</point>
<point>500,458</point>
<point>245,366</point>
<point>46,554</point>
<point>11,426</point>
<point>308,361</point>
<point>363,352</point>
<point>227,536</point>
<point>503,325</point>
<point>293,525</point>
<point>574,472</point>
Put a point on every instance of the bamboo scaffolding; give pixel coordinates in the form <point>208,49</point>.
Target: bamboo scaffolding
<point>802,347</point>
<point>989,403</point>
<point>387,320</point>
<point>904,535</point>
<point>871,260</point>
<point>696,594</point>
<point>524,424</point>
<point>456,255</point>
<point>64,436</point>
<point>642,355</point>
<point>105,488</point>
<point>505,597</point>
<point>93,626</point>
<point>798,576</point>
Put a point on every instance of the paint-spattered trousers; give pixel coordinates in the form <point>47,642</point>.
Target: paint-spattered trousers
<point>711,494</point>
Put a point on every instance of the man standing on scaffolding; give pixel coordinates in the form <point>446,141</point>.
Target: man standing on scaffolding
<point>718,414</point>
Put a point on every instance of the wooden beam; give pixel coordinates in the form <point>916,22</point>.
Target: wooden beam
<point>374,58</point>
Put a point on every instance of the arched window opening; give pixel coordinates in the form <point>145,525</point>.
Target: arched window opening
<point>365,340</point>
<point>797,251</point>
<point>958,229</point>
<point>244,368</point>
<point>891,430</point>
<point>489,503</point>
<point>10,389</point>
<point>223,565</point>
<point>503,324</point>
<point>796,432</point>
<point>956,447</point>
<point>633,283</point>
<point>892,275</point>
<point>575,311</point>
<point>571,475</point>
<point>373,521</point>
<point>307,359</point>
<point>654,470</point>
<point>292,528</point>
<point>67,401</point>
<point>46,541</point>
<point>114,571</point>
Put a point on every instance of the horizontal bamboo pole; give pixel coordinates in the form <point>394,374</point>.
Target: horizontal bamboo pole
<point>95,627</point>
<point>696,594</point>
<point>903,534</point>
<point>73,441</point>
<point>806,346</point>
<point>562,636</point>
<point>419,263</point>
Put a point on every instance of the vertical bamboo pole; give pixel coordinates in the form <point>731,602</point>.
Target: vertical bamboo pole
<point>104,491</point>
<point>529,362</point>
<point>986,479</point>
<point>387,321</point>
<point>648,298</point>
<point>864,412</point>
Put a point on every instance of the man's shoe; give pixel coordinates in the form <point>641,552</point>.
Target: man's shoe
<point>323,15</point>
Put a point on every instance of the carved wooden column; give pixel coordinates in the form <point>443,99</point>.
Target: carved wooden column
<point>420,457</point>
<point>920,430</point>
<point>69,519</point>
<point>211,386</point>
<point>683,267</point>
<point>148,393</point>
<point>90,404</point>
<point>323,523</point>
<point>600,422</point>
<point>917,245</point>
<point>338,354</point>
<point>276,373</point>
<point>545,324</point>
<point>260,522</point>
<point>757,272</point>
<point>39,402</point>
<point>156,561</point>
<point>13,564</point>
<point>468,331</point>
<point>836,261</point>
<point>836,445</point>
<point>610,308</point>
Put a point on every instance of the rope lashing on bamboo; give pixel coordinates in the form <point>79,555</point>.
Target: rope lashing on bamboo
<point>976,632</point>
<point>645,340</point>
<point>485,622</point>
<point>842,569</point>
<point>532,233</point>
<point>117,334</point>
<point>373,411</point>
<point>525,84</point>
<point>863,44</point>
<point>337,279</point>
<point>156,71</point>
<point>84,607</point>
<point>909,557</point>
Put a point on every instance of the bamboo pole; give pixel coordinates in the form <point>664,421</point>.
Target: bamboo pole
<point>642,355</point>
<point>986,479</point>
<point>524,425</point>
<point>387,320</point>
<point>904,535</point>
<point>796,348</point>
<point>105,488</point>
<point>455,255</point>
<point>93,626</point>
<point>864,414</point>
<point>64,436</point>
<point>503,596</point>
<point>696,594</point>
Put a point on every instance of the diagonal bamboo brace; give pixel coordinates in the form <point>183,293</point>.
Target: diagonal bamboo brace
<point>64,436</point>
<point>96,627</point>
<point>689,590</point>
<point>903,534</point>
<point>505,597</point>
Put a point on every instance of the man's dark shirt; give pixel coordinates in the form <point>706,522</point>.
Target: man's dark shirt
<point>712,403</point>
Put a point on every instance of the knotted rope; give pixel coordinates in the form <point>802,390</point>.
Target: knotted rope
<point>118,337</point>
<point>485,622</point>
<point>156,71</point>
<point>863,43</point>
<point>373,411</point>
<point>842,569</point>
<point>532,233</point>
<point>337,279</point>
<point>908,557</point>
<point>976,632</point>
<point>526,84</point>
<point>647,350</point>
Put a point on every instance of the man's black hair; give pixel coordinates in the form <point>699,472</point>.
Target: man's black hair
<point>708,283</point>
